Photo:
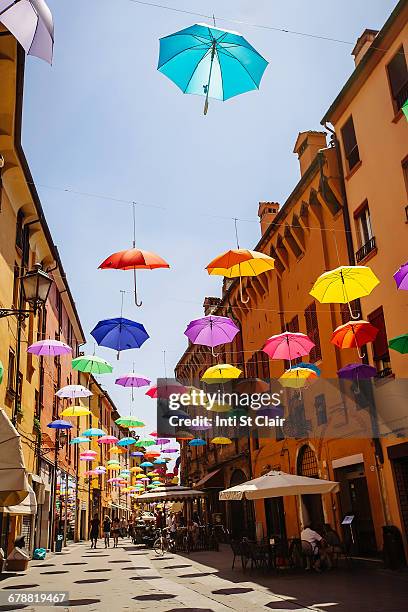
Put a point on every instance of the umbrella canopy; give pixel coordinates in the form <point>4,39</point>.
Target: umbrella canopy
<point>13,482</point>
<point>30,21</point>
<point>309,366</point>
<point>405,109</point>
<point>279,484</point>
<point>221,441</point>
<point>297,378</point>
<point>80,440</point>
<point>170,449</point>
<point>133,380</point>
<point>197,442</point>
<point>401,275</point>
<point>163,391</point>
<point>354,334</point>
<point>137,454</point>
<point>238,262</point>
<point>1,372</point>
<point>49,348</point>
<point>210,62</point>
<point>129,422</point>
<point>162,440</point>
<point>75,411</point>
<point>211,331</point>
<point>153,454</point>
<point>73,391</point>
<point>159,462</point>
<point>145,442</point>
<point>344,284</point>
<point>120,334</point>
<point>170,493</point>
<point>146,464</point>
<point>59,424</point>
<point>288,345</point>
<point>92,364</point>
<point>136,469</point>
<point>357,371</point>
<point>399,344</point>
<point>89,452</point>
<point>107,440</point>
<point>93,432</point>
<point>87,458</point>
<point>116,450</point>
<point>224,371</point>
<point>126,441</point>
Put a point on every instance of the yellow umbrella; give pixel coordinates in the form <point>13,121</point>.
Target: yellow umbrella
<point>139,476</point>
<point>237,263</point>
<point>344,284</point>
<point>221,407</point>
<point>113,466</point>
<point>221,441</point>
<point>297,378</point>
<point>224,371</point>
<point>117,450</point>
<point>136,469</point>
<point>75,411</point>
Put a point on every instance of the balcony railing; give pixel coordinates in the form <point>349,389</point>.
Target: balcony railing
<point>384,373</point>
<point>366,249</point>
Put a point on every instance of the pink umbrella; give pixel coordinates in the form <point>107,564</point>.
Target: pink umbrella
<point>113,480</point>
<point>288,345</point>
<point>107,440</point>
<point>133,380</point>
<point>49,348</point>
<point>165,390</point>
<point>88,452</point>
<point>73,391</point>
<point>87,458</point>
<point>91,473</point>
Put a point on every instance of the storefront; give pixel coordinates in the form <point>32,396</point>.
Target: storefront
<point>65,505</point>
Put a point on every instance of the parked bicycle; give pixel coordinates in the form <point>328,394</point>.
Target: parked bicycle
<point>164,543</point>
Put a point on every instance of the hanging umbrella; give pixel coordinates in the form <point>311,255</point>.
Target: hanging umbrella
<point>401,275</point>
<point>107,440</point>
<point>136,469</point>
<point>170,449</point>
<point>30,21</point>
<point>399,344</point>
<point>59,424</point>
<point>310,366</point>
<point>125,473</point>
<point>211,331</point>
<point>405,109</point>
<point>91,473</point>
<point>238,262</point>
<point>162,441</point>
<point>222,372</point>
<point>1,372</point>
<point>75,411</point>
<point>80,440</point>
<point>357,371</point>
<point>146,464</point>
<point>184,435</point>
<point>113,467</point>
<point>204,60</point>
<point>133,259</point>
<point>344,284</point>
<point>153,454</point>
<point>14,487</point>
<point>159,462</point>
<point>93,432</point>
<point>297,378</point>
<point>73,391</point>
<point>116,450</point>
<point>120,334</point>
<point>87,458</point>
<point>145,443</point>
<point>197,442</point>
<point>137,454</point>
<point>221,441</point>
<point>112,461</point>
<point>132,380</point>
<point>127,441</point>
<point>89,452</point>
<point>91,364</point>
<point>49,348</point>
<point>288,346</point>
<point>129,422</point>
<point>164,391</point>
<point>354,334</point>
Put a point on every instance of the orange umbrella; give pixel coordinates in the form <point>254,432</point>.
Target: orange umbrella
<point>184,435</point>
<point>153,454</point>
<point>353,335</point>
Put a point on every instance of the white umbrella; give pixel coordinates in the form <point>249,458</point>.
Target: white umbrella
<point>30,21</point>
<point>13,480</point>
<point>176,493</point>
<point>278,484</point>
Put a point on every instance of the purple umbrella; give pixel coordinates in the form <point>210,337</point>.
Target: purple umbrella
<point>137,454</point>
<point>162,441</point>
<point>170,449</point>
<point>49,348</point>
<point>30,21</point>
<point>211,331</point>
<point>357,371</point>
<point>401,277</point>
<point>59,424</point>
<point>133,380</point>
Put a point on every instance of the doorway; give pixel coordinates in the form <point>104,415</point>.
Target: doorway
<point>312,507</point>
<point>275,518</point>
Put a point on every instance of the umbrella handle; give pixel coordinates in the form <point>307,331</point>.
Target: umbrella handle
<point>214,354</point>
<point>352,315</point>
<point>206,104</point>
<point>138,304</point>
<point>361,355</point>
<point>242,295</point>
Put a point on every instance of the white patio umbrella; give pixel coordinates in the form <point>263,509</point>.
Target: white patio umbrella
<point>278,484</point>
<point>13,480</point>
<point>30,21</point>
<point>176,493</point>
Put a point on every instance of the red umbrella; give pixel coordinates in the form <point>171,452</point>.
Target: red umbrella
<point>354,334</point>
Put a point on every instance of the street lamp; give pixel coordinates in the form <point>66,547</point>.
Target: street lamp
<point>36,285</point>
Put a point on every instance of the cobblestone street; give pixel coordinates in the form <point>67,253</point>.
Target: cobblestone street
<point>133,578</point>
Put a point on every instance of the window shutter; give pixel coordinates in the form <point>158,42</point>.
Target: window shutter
<point>380,344</point>
<point>312,330</point>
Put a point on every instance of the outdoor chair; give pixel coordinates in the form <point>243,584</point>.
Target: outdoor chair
<point>336,549</point>
<point>237,551</point>
<point>259,556</point>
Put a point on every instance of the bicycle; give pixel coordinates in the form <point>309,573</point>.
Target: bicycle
<point>164,543</point>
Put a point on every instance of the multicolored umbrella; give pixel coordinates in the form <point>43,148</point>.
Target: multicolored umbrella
<point>120,334</point>
<point>357,371</point>
<point>222,372</point>
<point>399,344</point>
<point>211,331</point>
<point>207,61</point>
<point>238,262</point>
<point>401,275</point>
<point>92,453</point>
<point>91,364</point>
<point>73,392</point>
<point>116,450</point>
<point>343,285</point>
<point>133,380</point>
<point>133,259</point>
<point>137,454</point>
<point>30,21</point>
<point>49,348</point>
<point>354,334</point>
<point>75,411</point>
<point>60,424</point>
<point>288,346</point>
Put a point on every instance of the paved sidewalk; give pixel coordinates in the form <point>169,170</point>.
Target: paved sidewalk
<point>132,578</point>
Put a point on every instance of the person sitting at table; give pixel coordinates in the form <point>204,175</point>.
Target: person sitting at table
<point>318,546</point>
<point>194,531</point>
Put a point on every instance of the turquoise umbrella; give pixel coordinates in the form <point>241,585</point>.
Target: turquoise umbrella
<point>94,431</point>
<point>210,62</point>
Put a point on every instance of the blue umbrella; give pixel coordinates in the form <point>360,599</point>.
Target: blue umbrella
<point>159,462</point>
<point>146,464</point>
<point>60,425</point>
<point>126,441</point>
<point>80,440</point>
<point>94,431</point>
<point>309,366</point>
<point>137,454</point>
<point>210,62</point>
<point>120,334</point>
<point>197,442</point>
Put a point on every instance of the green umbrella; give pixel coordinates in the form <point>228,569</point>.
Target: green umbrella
<point>145,443</point>
<point>399,343</point>
<point>405,109</point>
<point>129,422</point>
<point>1,372</point>
<point>92,365</point>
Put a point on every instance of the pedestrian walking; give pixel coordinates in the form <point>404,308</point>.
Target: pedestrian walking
<point>94,533</point>
<point>115,531</point>
<point>106,530</point>
<point>123,527</point>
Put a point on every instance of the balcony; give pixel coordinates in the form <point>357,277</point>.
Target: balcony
<point>366,249</point>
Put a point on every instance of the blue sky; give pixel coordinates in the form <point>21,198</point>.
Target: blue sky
<point>102,120</point>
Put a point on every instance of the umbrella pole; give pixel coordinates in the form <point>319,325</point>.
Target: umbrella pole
<point>206,103</point>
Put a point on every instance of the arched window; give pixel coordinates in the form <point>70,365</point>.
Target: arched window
<point>307,462</point>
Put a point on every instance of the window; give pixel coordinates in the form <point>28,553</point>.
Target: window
<point>312,330</point>
<point>350,144</point>
<point>321,412</point>
<point>381,353</point>
<point>16,286</point>
<point>11,371</point>
<point>19,229</point>
<point>398,78</point>
<point>365,236</point>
